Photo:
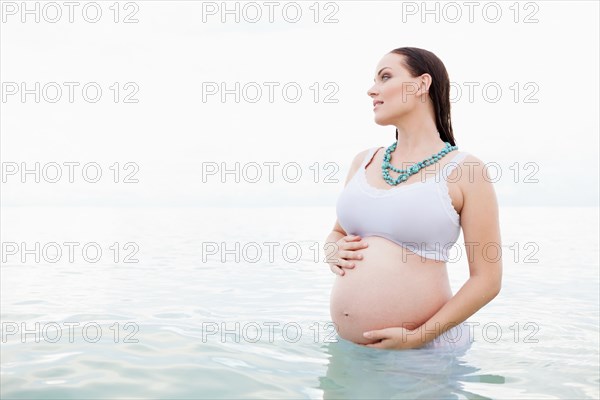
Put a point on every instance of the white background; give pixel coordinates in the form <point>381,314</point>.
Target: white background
<point>170,132</point>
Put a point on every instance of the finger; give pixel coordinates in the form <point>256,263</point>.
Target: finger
<point>378,334</point>
<point>352,238</point>
<point>358,244</point>
<point>351,255</point>
<point>343,263</point>
<point>355,245</point>
<point>336,270</point>
<point>378,345</point>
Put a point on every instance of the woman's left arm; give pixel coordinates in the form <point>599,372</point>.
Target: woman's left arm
<point>481,230</point>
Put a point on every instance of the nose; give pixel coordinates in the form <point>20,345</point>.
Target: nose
<point>371,92</point>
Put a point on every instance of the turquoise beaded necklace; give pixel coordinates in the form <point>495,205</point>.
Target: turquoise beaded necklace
<point>413,169</point>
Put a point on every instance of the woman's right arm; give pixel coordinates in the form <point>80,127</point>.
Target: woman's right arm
<point>339,246</point>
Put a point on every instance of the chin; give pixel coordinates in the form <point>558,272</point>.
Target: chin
<point>381,122</point>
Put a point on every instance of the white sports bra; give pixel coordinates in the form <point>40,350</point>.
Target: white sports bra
<point>419,216</point>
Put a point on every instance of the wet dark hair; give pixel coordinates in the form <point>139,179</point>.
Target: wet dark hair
<point>420,61</point>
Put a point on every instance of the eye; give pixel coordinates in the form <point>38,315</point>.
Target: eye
<point>384,75</point>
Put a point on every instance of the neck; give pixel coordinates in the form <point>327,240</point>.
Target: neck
<point>418,136</point>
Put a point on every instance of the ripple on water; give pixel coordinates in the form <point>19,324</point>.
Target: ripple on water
<point>172,358</point>
<point>172,315</point>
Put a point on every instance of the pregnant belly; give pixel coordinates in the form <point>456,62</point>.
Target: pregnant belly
<point>389,287</point>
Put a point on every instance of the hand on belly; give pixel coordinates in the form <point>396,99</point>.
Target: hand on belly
<point>389,287</point>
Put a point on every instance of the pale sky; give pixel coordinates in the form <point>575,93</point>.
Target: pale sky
<point>546,115</point>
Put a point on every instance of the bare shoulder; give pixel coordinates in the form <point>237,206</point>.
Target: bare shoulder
<point>356,162</point>
<point>359,157</point>
<point>474,169</point>
<point>476,179</point>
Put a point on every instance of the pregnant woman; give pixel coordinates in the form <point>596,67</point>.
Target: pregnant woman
<point>400,213</point>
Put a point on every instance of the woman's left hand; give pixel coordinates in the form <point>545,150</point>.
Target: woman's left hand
<point>394,338</point>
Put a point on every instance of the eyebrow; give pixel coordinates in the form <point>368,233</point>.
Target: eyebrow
<point>380,72</point>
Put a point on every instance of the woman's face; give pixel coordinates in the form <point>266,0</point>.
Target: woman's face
<point>398,91</point>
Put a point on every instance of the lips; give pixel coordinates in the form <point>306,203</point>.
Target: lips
<point>377,102</point>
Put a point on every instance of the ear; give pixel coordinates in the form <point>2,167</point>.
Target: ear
<point>425,81</point>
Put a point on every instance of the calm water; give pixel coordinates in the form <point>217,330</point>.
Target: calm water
<point>181,323</point>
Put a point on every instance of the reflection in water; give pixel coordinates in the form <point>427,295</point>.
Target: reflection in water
<point>356,371</point>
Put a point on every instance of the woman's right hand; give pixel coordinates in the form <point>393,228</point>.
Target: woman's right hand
<point>346,251</point>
